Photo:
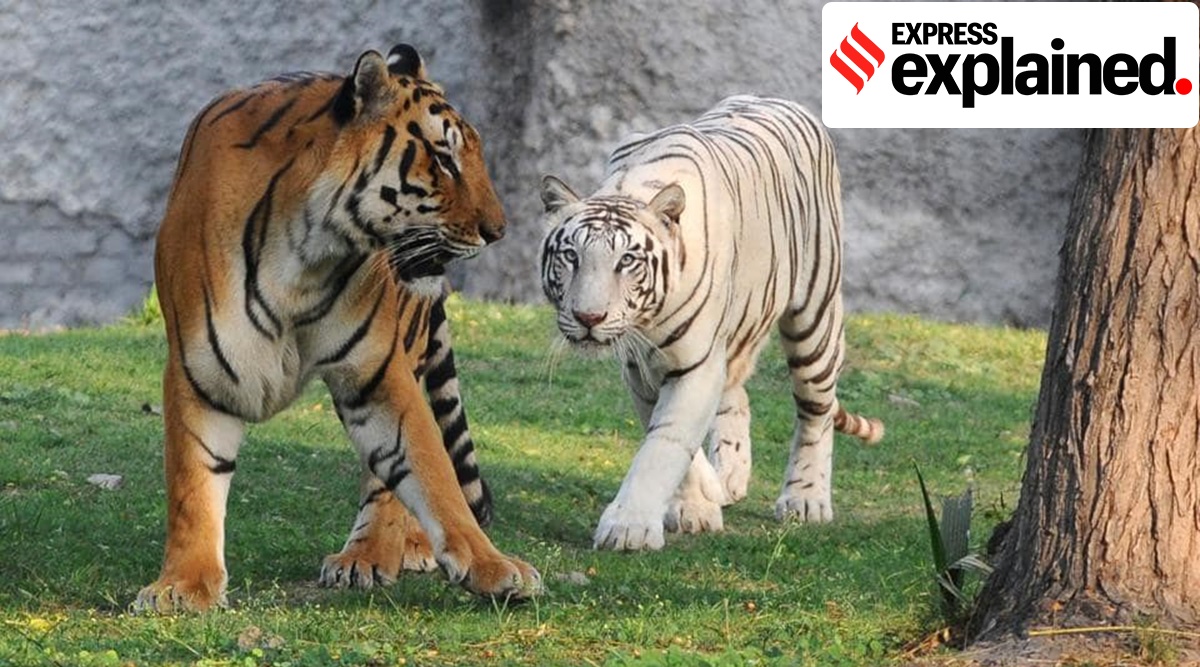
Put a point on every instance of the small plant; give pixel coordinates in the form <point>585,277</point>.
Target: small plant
<point>150,313</point>
<point>1154,646</point>
<point>950,542</point>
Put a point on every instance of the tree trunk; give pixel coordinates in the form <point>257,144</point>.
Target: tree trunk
<point>1108,523</point>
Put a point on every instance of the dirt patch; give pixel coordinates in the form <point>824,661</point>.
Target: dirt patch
<point>1108,648</point>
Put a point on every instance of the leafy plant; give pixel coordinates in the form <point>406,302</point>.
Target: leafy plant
<point>149,313</point>
<point>950,543</point>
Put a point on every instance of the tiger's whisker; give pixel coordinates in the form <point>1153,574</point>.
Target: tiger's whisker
<point>554,355</point>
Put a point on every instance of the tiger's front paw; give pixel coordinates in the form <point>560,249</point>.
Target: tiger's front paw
<point>169,596</point>
<point>807,508</point>
<point>625,529</point>
<point>418,552</point>
<point>489,573</point>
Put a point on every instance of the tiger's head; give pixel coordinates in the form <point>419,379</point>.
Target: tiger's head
<point>417,183</point>
<point>607,262</point>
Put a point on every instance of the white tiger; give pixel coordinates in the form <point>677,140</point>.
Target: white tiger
<point>700,238</point>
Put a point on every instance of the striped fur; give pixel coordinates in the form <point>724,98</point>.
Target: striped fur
<point>306,234</point>
<point>700,239</point>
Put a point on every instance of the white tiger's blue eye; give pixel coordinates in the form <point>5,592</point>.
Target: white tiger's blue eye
<point>626,261</point>
<point>571,256</point>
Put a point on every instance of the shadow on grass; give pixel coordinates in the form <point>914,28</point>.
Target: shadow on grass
<point>71,545</point>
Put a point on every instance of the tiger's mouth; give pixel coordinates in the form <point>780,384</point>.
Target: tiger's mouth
<point>589,342</point>
<point>432,265</point>
<point>589,339</point>
<point>423,253</point>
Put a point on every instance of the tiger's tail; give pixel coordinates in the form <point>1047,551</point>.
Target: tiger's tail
<point>869,429</point>
<point>441,385</point>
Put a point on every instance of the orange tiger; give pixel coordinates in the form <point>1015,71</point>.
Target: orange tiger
<point>307,234</point>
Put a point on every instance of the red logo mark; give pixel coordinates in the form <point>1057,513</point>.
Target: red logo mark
<point>857,58</point>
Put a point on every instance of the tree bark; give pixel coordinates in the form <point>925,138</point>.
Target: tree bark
<point>1108,523</point>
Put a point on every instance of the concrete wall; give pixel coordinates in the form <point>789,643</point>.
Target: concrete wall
<point>97,94</point>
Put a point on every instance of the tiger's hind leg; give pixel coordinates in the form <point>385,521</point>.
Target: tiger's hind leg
<point>696,506</point>
<point>813,345</point>
<point>729,444</point>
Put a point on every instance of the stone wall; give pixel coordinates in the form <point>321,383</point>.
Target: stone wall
<point>956,224</point>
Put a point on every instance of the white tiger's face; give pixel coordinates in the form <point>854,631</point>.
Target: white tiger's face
<point>607,261</point>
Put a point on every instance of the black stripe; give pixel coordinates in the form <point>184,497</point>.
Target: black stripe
<point>826,372</point>
<point>467,475</point>
<point>440,374</point>
<point>214,342</point>
<point>813,408</point>
<point>363,224</point>
<point>810,359</point>
<point>321,110</point>
<point>389,136</point>
<point>364,393</point>
<point>680,372</point>
<point>414,325</point>
<point>231,108</point>
<point>372,497</point>
<point>204,395</point>
<point>396,452</point>
<point>682,329</point>
<point>266,126</point>
<point>443,407</point>
<point>341,276</point>
<point>260,217</point>
<point>406,162</point>
<point>431,350</point>
<point>187,372</point>
<point>482,506</point>
<point>396,478</point>
<point>451,435</point>
<point>356,337</point>
<point>186,152</point>
<point>223,466</point>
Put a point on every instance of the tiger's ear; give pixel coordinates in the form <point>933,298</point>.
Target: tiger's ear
<point>403,60</point>
<point>556,194</point>
<point>365,91</point>
<point>668,203</point>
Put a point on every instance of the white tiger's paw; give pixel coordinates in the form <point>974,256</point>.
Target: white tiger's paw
<point>814,508</point>
<point>734,476</point>
<point>694,515</point>
<point>625,529</point>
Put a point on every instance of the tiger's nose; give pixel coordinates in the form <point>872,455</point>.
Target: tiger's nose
<point>491,233</point>
<point>589,320</point>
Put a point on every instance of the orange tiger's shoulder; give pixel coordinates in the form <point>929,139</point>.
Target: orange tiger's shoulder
<point>279,116</point>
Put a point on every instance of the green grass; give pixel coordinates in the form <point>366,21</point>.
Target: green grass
<point>956,401</point>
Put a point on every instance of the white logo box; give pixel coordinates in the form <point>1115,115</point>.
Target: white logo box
<point>1101,28</point>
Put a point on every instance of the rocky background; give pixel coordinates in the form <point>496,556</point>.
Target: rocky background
<point>97,95</point>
